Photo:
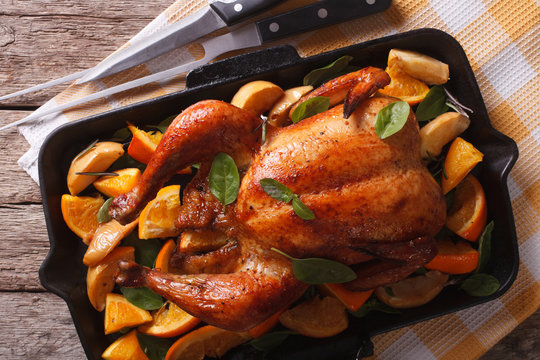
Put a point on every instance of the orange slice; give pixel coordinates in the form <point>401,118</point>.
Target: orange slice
<point>164,256</point>
<point>318,317</point>
<point>462,157</point>
<point>467,215</point>
<point>112,186</point>
<point>404,87</point>
<point>143,145</point>
<point>157,218</point>
<point>207,340</point>
<point>266,325</point>
<point>459,258</point>
<point>100,278</point>
<point>169,321</point>
<point>353,300</point>
<point>120,313</point>
<point>80,214</point>
<point>125,347</point>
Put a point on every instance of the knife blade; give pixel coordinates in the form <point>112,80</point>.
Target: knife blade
<point>322,13</point>
<point>214,16</point>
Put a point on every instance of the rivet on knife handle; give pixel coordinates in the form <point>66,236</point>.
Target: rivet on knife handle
<point>232,11</point>
<point>319,14</point>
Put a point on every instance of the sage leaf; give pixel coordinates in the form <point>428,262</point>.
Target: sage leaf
<point>484,247</point>
<point>126,161</point>
<point>276,190</point>
<point>391,118</point>
<point>420,271</point>
<point>373,305</point>
<point>309,108</point>
<point>319,271</point>
<point>146,250</point>
<point>480,285</point>
<point>142,297</point>
<point>270,340</point>
<point>121,134</point>
<point>224,179</point>
<point>164,124</point>
<point>103,212</point>
<point>318,76</point>
<point>301,209</point>
<point>155,348</point>
<point>433,104</point>
<point>85,150</point>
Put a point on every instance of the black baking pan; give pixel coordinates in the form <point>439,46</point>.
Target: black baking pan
<point>63,272</point>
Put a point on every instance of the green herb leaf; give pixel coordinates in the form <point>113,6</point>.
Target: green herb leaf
<point>421,271</point>
<point>94,173</point>
<point>480,285</point>
<point>319,271</point>
<point>484,247</point>
<point>276,190</point>
<point>121,134</point>
<point>142,297</point>
<point>321,75</point>
<point>196,166</point>
<point>310,107</point>
<point>391,118</point>
<point>224,179</point>
<point>301,209</point>
<point>433,104</point>
<point>270,340</point>
<point>103,212</point>
<point>146,251</point>
<point>373,305</point>
<point>87,149</point>
<point>126,161</point>
<point>164,124</point>
<point>154,348</point>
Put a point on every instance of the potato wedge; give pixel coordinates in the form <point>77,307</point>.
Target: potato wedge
<point>412,292</point>
<point>106,238</point>
<point>97,159</point>
<point>318,317</point>
<point>201,241</point>
<point>420,66</point>
<point>279,114</point>
<point>440,131</point>
<point>257,96</point>
<point>100,278</point>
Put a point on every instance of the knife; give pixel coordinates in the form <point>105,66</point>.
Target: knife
<point>216,15</point>
<point>321,13</point>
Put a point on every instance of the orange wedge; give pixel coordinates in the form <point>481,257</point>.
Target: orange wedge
<point>143,145</point>
<point>266,325</point>
<point>164,256</point>
<point>459,258</point>
<point>80,214</point>
<point>467,215</point>
<point>207,340</point>
<point>158,217</point>
<point>462,157</point>
<point>404,87</point>
<point>120,313</point>
<point>353,300</point>
<point>112,186</point>
<point>169,321</point>
<point>125,347</point>
<point>100,278</point>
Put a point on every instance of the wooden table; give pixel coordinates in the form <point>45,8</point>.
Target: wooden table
<point>41,40</point>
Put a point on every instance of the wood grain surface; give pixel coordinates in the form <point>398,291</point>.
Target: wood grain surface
<point>41,40</point>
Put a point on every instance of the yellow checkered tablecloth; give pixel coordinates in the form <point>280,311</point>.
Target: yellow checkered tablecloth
<point>501,41</point>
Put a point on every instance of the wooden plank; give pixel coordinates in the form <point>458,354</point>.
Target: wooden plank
<point>42,40</point>
<point>37,326</point>
<point>16,186</point>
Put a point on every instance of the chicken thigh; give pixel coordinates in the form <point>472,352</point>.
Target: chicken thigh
<point>376,206</point>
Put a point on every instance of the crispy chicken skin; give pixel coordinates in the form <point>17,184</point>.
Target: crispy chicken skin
<point>376,206</point>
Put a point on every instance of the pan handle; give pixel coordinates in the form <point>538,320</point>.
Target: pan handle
<point>242,66</point>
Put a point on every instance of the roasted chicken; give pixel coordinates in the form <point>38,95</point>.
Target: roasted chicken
<point>376,206</point>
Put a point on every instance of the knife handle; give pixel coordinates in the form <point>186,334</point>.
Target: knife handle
<point>233,10</point>
<point>319,14</point>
